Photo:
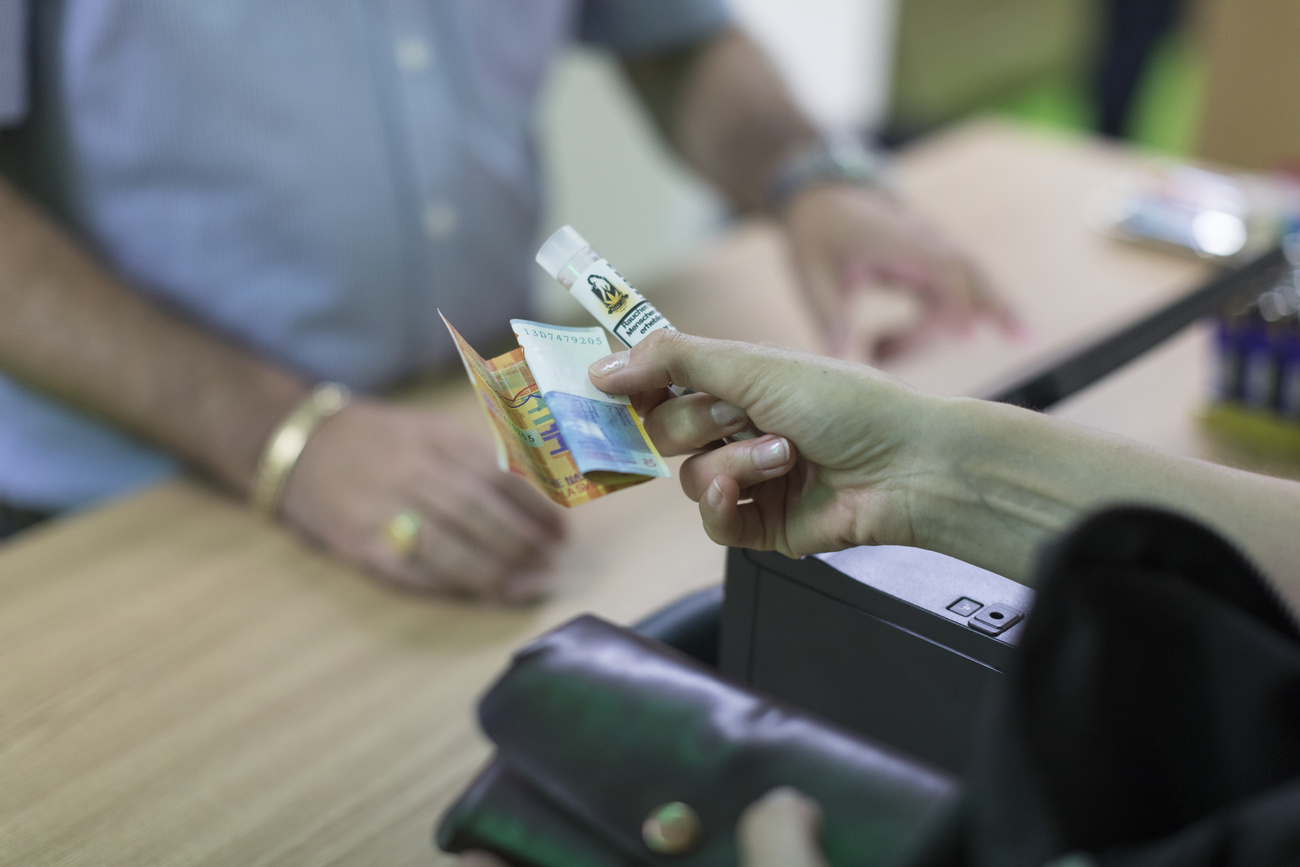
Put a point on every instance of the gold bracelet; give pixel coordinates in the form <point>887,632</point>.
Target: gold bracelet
<point>287,442</point>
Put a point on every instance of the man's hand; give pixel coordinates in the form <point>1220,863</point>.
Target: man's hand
<point>74,330</point>
<point>847,240</point>
<point>723,105</point>
<point>485,533</point>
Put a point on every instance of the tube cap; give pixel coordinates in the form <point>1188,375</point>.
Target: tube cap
<point>558,249</point>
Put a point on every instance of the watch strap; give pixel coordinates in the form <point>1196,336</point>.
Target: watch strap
<point>843,160</point>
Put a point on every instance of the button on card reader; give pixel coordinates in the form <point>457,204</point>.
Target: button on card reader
<point>996,619</point>
<point>965,606</point>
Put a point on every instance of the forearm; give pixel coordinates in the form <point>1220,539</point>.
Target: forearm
<point>1015,478</point>
<point>725,108</point>
<point>68,327</point>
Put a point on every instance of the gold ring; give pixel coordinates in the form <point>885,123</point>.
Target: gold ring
<point>403,531</point>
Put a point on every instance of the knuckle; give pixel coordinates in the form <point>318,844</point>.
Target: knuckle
<point>657,340</point>
<point>489,579</point>
<point>649,346</point>
<point>682,426</point>
<point>665,345</point>
<point>695,476</point>
<point>503,487</point>
<point>512,488</point>
<point>521,550</point>
<point>716,534</point>
<point>418,576</point>
<point>691,485</point>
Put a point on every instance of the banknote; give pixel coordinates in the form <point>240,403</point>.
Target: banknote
<point>551,425</point>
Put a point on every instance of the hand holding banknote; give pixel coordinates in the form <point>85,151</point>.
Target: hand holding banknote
<point>828,475</point>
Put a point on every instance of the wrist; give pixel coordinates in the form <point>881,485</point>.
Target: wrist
<point>994,494</point>
<point>842,162</point>
<point>286,442</point>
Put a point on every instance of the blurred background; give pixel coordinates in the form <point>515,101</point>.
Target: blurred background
<point>1215,80</point>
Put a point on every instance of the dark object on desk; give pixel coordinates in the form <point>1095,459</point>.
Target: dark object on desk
<point>690,624</point>
<point>598,730</point>
<point>1072,371</point>
<point>899,644</point>
<point>1152,715</point>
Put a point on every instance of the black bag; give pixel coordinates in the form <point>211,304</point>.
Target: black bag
<point>1153,715</point>
<point>1152,719</point>
<point>597,728</point>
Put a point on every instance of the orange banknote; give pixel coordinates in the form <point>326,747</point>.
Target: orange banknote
<point>574,442</point>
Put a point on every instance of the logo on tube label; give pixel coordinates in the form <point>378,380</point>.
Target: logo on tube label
<point>616,305</point>
<point>608,293</point>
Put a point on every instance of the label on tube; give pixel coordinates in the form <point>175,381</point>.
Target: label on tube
<point>616,305</point>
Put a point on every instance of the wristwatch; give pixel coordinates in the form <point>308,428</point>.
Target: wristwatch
<point>843,160</point>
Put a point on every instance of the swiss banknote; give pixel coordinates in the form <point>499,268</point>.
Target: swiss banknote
<point>550,423</point>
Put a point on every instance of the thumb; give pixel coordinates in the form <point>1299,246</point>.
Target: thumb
<point>726,369</point>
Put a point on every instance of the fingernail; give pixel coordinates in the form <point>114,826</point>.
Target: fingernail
<point>771,455</point>
<point>726,414</point>
<point>608,364</point>
<point>714,494</point>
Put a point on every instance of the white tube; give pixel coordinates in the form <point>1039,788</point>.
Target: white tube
<point>601,290</point>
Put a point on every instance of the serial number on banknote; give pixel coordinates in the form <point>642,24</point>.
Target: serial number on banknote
<point>562,338</point>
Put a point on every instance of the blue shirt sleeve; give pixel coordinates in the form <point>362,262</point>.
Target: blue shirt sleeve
<point>13,61</point>
<point>632,27</point>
